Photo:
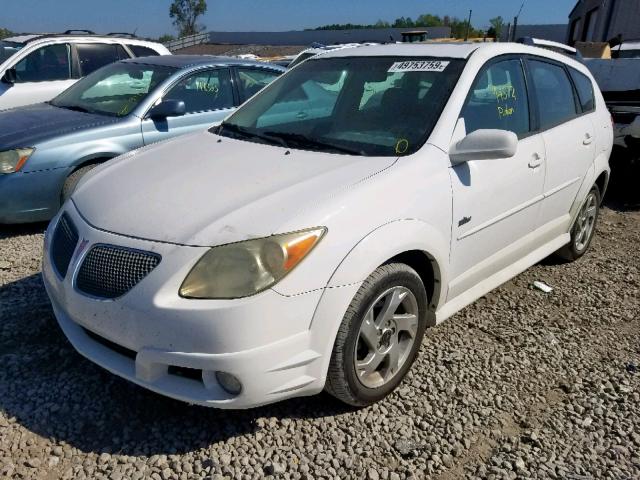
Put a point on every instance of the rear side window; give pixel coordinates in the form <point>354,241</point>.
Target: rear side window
<point>585,90</point>
<point>252,80</point>
<point>93,56</point>
<point>554,93</point>
<point>498,99</point>
<point>140,51</point>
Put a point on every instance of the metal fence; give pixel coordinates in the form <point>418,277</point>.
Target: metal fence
<point>189,41</point>
<point>306,37</point>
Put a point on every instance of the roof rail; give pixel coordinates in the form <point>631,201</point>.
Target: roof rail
<point>121,34</point>
<point>88,32</point>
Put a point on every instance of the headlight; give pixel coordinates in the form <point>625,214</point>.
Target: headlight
<point>242,269</point>
<point>13,160</point>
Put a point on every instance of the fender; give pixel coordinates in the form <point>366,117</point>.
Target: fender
<point>382,244</point>
<point>388,241</point>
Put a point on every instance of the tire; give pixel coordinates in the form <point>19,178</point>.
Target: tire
<point>72,180</point>
<point>583,229</point>
<point>401,332</point>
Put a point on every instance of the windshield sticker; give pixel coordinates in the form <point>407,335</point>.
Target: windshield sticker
<point>419,66</point>
<point>402,146</point>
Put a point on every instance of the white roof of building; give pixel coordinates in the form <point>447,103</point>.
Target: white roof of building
<point>20,38</point>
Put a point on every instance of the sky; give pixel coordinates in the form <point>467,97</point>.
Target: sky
<point>150,18</point>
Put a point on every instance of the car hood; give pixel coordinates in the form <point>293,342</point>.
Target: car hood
<point>28,126</point>
<point>206,190</point>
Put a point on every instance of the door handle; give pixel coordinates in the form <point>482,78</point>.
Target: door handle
<point>536,161</point>
<point>587,139</point>
<point>302,115</point>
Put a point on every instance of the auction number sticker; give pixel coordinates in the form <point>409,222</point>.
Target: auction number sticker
<point>419,66</point>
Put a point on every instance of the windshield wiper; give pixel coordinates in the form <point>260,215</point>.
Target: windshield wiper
<point>304,141</point>
<point>75,108</point>
<point>246,133</point>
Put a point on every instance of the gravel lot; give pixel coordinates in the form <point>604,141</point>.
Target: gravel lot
<point>522,384</point>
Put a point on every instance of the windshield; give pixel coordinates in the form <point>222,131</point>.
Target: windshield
<point>114,90</point>
<point>371,106</point>
<point>8,49</point>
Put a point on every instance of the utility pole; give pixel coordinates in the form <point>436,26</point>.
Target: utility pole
<point>466,35</point>
<point>515,21</point>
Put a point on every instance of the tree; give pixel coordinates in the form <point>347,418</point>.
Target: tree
<point>185,15</point>
<point>4,33</point>
<point>497,24</point>
<point>428,20</point>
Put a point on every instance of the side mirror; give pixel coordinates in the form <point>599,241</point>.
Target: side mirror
<point>484,145</point>
<point>10,76</point>
<point>168,108</point>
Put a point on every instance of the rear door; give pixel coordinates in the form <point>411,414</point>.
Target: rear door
<point>209,98</point>
<point>496,203</point>
<point>568,133</point>
<point>40,76</point>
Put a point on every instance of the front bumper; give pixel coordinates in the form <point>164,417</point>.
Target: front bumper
<point>31,196</point>
<point>151,335</point>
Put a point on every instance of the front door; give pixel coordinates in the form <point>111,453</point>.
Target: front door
<point>496,203</point>
<point>208,97</point>
<point>40,76</point>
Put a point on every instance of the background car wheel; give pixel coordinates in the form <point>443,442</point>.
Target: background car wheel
<point>379,337</point>
<point>583,229</point>
<point>72,180</point>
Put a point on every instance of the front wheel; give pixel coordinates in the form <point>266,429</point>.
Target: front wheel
<point>72,181</point>
<point>379,337</point>
<point>584,228</point>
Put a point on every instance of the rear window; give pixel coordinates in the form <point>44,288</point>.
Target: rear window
<point>585,90</point>
<point>140,51</point>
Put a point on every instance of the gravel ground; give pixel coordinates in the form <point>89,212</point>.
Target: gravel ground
<point>522,384</point>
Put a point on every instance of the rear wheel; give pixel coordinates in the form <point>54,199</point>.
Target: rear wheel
<point>72,181</point>
<point>584,228</point>
<point>379,337</point>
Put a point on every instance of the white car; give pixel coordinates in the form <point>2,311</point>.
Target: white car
<point>279,255</point>
<point>313,51</point>
<point>36,68</point>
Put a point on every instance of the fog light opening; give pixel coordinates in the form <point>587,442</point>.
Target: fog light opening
<point>229,383</point>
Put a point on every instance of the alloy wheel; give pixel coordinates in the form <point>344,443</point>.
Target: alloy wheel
<point>387,335</point>
<point>585,223</point>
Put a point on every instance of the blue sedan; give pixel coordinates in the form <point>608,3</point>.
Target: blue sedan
<point>46,148</point>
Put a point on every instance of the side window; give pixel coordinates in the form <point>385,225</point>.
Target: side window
<point>45,64</point>
<point>498,99</point>
<point>204,91</point>
<point>140,51</point>
<point>92,56</point>
<point>252,80</point>
<point>585,90</point>
<point>554,93</point>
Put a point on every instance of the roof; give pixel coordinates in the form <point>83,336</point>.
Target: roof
<point>185,61</point>
<point>449,50</point>
<point>453,50</point>
<point>30,37</point>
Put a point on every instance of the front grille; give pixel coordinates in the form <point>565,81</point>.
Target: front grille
<point>110,272</point>
<point>63,244</point>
